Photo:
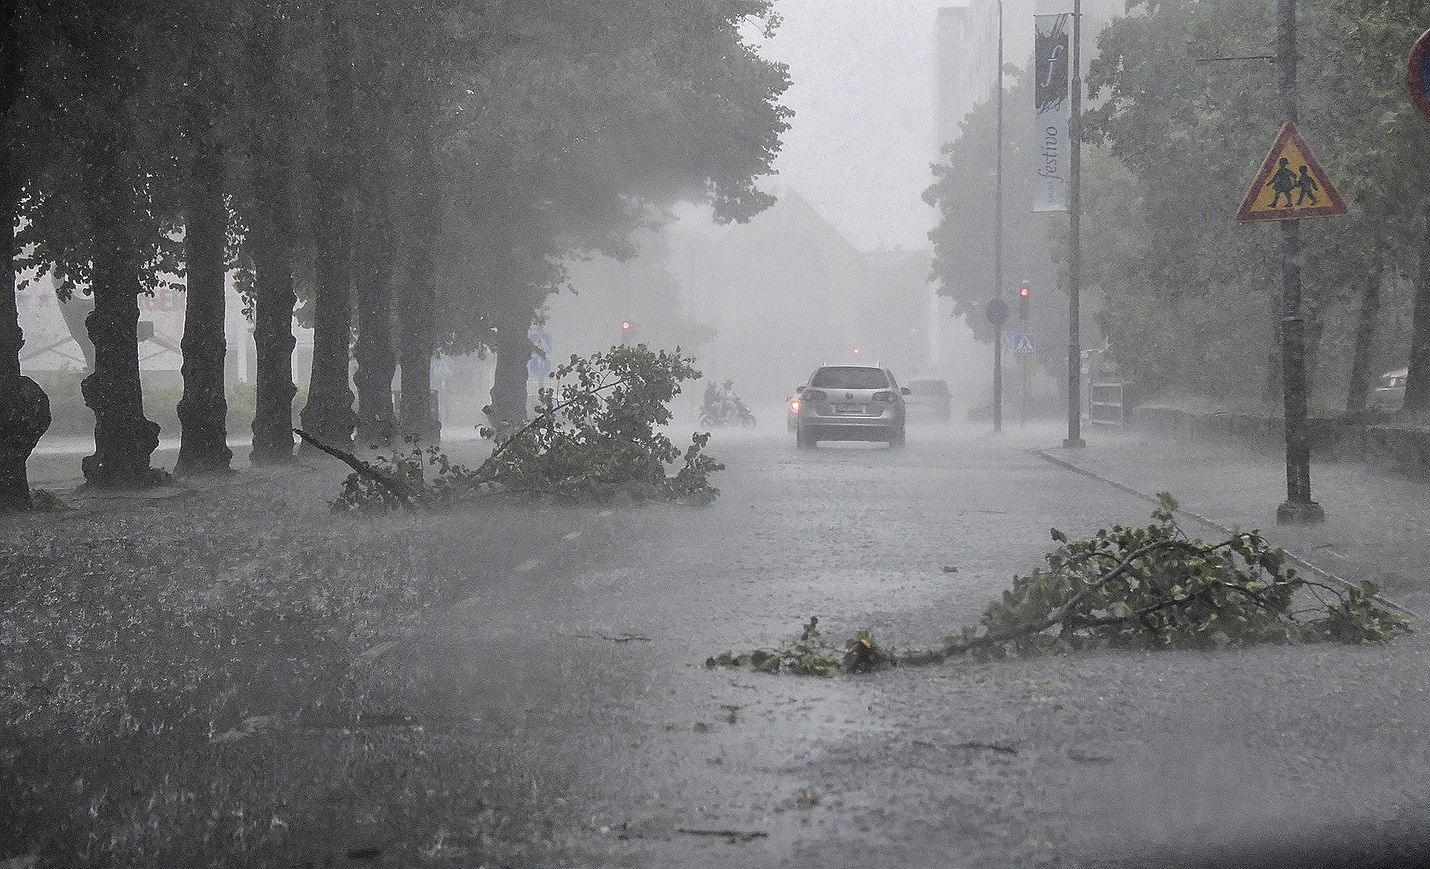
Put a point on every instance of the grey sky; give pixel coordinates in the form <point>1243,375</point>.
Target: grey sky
<point>863,135</point>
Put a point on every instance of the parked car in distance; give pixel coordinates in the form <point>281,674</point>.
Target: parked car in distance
<point>1389,394</point>
<point>929,398</point>
<point>850,403</point>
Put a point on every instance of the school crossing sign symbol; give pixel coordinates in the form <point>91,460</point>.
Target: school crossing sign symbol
<point>1291,184</point>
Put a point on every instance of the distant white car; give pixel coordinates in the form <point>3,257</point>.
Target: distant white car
<point>1389,396</point>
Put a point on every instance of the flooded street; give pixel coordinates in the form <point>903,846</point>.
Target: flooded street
<point>560,713</point>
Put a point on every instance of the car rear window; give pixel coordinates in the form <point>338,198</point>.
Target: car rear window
<point>849,378</point>
<point>928,387</point>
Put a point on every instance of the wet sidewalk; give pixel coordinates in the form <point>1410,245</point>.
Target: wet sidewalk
<point>1377,524</point>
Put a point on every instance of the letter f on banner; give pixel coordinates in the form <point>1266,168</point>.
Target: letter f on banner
<point>1052,107</point>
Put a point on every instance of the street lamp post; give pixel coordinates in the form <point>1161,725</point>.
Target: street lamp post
<point>998,238</point>
<point>1074,439</point>
<point>1298,509</point>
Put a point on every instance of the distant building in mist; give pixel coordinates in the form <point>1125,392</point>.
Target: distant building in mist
<point>57,345</point>
<point>761,303</point>
<point>967,49</point>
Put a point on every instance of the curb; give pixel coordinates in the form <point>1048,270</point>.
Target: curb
<point>1221,529</point>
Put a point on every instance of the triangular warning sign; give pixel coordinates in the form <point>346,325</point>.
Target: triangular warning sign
<point>1291,184</point>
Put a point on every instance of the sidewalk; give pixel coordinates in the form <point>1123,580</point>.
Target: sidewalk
<point>55,463</point>
<point>1377,524</point>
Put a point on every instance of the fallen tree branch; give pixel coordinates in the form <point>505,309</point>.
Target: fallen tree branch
<point>1193,595</point>
<point>363,469</point>
<point>1059,614</point>
<point>550,412</point>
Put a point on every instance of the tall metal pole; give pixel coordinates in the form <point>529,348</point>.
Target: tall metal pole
<point>1299,509</point>
<point>998,239</point>
<point>1074,439</point>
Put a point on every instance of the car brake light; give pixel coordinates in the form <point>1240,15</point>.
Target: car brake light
<point>794,406</point>
<point>883,396</point>
<point>814,395</point>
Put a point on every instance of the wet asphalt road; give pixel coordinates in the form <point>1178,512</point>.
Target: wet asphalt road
<point>563,716</point>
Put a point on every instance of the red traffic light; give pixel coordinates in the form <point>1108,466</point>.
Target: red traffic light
<point>625,325</point>
<point>1024,292</point>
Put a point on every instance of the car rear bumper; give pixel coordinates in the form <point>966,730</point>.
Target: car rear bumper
<point>850,428</point>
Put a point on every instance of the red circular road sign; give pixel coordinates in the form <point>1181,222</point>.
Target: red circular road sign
<point>1417,77</point>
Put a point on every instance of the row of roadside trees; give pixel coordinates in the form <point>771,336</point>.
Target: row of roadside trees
<point>1186,297</point>
<point>407,179</point>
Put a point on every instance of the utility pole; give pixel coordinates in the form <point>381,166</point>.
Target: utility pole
<point>1299,509</point>
<point>998,239</point>
<point>1074,439</point>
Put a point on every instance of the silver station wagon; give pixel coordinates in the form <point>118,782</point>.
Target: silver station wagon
<point>850,403</point>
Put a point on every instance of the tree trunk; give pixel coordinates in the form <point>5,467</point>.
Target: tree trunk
<point>328,415</point>
<point>270,244</point>
<point>376,360</point>
<point>270,236</point>
<point>24,407</point>
<point>1367,324</point>
<point>419,295</point>
<point>1417,384</point>
<point>123,438</point>
<point>203,410</point>
<point>513,353</point>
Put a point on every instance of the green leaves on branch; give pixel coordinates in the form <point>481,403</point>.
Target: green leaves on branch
<point>809,656</point>
<point>1153,587</point>
<point>1131,587</point>
<point>595,437</point>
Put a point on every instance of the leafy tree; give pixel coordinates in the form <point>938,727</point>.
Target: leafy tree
<point>1191,298</point>
<point>483,142</point>
<point>279,71</point>
<point>329,412</point>
<point>644,103</point>
<point>1389,155</point>
<point>965,193</point>
<point>203,89</point>
<point>90,211</point>
<point>24,407</point>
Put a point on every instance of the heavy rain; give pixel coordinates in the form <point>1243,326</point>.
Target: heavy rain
<point>810,433</point>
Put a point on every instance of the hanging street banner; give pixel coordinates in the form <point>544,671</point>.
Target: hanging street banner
<point>1291,184</point>
<point>1052,107</point>
<point>1417,77</point>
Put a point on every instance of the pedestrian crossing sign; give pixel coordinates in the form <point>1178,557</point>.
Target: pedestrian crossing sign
<point>1023,343</point>
<point>1291,184</point>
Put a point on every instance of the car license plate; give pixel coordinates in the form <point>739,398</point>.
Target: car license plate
<point>848,408</point>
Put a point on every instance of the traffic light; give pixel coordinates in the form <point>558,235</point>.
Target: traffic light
<point>626,329</point>
<point>1025,296</point>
